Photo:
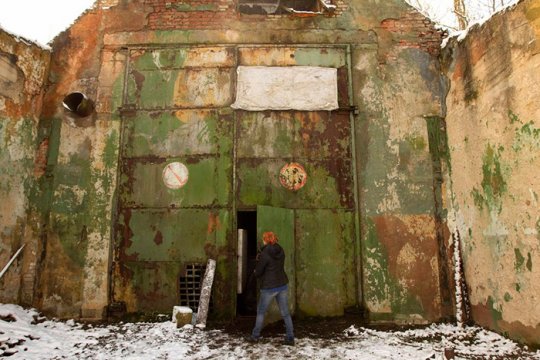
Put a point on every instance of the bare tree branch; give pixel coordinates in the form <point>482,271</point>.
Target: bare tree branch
<point>465,12</point>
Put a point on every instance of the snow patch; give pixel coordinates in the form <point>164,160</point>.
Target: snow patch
<point>22,39</point>
<point>461,35</point>
<point>24,334</point>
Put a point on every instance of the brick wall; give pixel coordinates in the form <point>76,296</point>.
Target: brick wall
<point>415,31</point>
<point>208,14</point>
<point>202,14</point>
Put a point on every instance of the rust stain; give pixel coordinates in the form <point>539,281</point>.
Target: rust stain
<point>125,243</point>
<point>158,239</point>
<point>14,110</point>
<point>267,56</point>
<point>343,87</point>
<point>412,251</point>
<point>40,163</point>
<point>213,223</point>
<point>76,56</point>
<point>139,81</point>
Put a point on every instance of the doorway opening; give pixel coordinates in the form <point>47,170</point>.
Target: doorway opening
<point>246,301</point>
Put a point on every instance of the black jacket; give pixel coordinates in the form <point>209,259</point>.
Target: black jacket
<point>270,267</point>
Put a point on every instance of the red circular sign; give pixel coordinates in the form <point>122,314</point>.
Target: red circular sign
<point>293,176</point>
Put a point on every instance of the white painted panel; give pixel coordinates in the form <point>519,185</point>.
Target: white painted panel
<point>308,88</point>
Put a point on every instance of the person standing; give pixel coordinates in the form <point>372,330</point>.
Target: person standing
<point>270,270</point>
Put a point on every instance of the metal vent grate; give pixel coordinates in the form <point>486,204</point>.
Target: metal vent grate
<point>190,285</point>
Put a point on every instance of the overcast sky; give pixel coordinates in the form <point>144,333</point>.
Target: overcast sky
<point>40,20</point>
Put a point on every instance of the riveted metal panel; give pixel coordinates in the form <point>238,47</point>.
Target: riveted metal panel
<point>325,261</point>
<point>184,88</point>
<point>329,184</point>
<point>178,109</point>
<point>209,183</point>
<point>311,135</point>
<point>156,245</point>
<point>182,235</point>
<point>178,58</point>
<point>265,134</point>
<point>148,286</point>
<point>176,133</point>
<point>290,56</point>
<point>323,135</point>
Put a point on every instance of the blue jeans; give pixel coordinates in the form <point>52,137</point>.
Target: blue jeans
<point>280,294</point>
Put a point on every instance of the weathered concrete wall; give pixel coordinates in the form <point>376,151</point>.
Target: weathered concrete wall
<point>400,95</point>
<point>493,126</point>
<point>79,194</point>
<point>380,221</point>
<point>23,71</point>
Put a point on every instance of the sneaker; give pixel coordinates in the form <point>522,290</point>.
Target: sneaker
<point>252,339</point>
<point>289,342</point>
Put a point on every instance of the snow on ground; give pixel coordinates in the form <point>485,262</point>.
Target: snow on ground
<point>24,334</point>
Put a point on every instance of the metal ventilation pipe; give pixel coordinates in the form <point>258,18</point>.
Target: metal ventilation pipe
<point>79,104</point>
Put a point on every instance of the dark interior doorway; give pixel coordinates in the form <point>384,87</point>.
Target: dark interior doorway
<point>246,302</point>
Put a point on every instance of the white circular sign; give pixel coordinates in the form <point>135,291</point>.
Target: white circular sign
<point>175,175</point>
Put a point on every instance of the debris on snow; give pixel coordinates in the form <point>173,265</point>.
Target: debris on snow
<point>24,339</point>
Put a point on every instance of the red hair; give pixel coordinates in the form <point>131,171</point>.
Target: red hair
<point>270,238</point>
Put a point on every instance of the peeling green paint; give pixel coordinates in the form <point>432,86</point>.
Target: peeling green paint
<point>496,313</point>
<point>183,234</point>
<point>440,159</point>
<point>416,142</point>
<point>438,140</point>
<point>507,297</point>
<point>169,134</point>
<point>513,117</point>
<point>493,183</point>
<point>209,183</point>
<point>316,57</point>
<point>519,259</point>
<point>161,59</point>
<point>155,90</point>
<point>117,93</point>
<point>478,199</point>
<point>259,184</point>
<point>527,138</point>
<point>325,272</point>
<point>110,153</point>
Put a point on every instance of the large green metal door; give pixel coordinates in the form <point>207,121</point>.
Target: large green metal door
<point>176,110</point>
<point>281,222</point>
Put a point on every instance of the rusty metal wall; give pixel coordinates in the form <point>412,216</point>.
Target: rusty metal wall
<point>176,109</point>
<point>394,71</point>
<point>177,100</point>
